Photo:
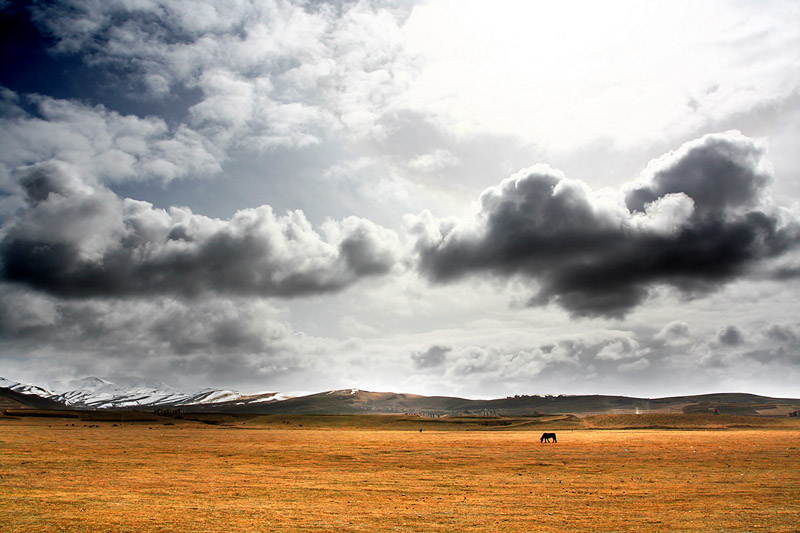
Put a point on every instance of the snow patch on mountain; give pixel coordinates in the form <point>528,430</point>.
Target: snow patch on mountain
<point>24,389</point>
<point>263,397</point>
<point>351,392</point>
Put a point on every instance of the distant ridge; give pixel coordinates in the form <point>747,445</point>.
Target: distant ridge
<point>354,401</point>
<point>96,393</point>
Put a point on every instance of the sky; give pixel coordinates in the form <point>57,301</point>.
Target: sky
<point>477,199</point>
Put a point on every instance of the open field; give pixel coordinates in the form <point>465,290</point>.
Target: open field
<point>383,474</point>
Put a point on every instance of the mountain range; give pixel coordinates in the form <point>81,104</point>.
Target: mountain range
<point>128,393</point>
<point>135,393</point>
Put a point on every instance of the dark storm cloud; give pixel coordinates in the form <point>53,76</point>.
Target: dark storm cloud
<point>781,333</point>
<point>215,327</point>
<point>432,357</point>
<point>780,342</point>
<point>787,273</point>
<point>693,222</point>
<point>215,340</point>
<point>718,172</point>
<point>730,336</point>
<point>78,240</point>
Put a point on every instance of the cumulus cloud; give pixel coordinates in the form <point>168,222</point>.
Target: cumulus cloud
<point>25,313</point>
<point>81,240</point>
<point>676,332</point>
<point>734,348</point>
<point>159,327</point>
<point>620,348</point>
<point>269,74</point>
<point>781,333</point>
<point>213,341</point>
<point>217,326</point>
<point>600,252</point>
<point>432,357</point>
<point>777,343</point>
<point>719,173</point>
<point>102,144</point>
<point>566,355</point>
<point>730,336</point>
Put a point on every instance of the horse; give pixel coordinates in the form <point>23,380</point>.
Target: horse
<point>547,436</point>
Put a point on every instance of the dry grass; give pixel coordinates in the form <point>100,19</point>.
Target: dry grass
<point>269,474</point>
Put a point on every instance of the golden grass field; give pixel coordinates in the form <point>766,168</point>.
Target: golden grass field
<point>383,474</point>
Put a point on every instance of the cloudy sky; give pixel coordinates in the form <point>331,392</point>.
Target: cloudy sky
<point>464,198</point>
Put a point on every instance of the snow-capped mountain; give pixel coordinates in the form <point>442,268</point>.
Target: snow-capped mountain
<point>126,392</point>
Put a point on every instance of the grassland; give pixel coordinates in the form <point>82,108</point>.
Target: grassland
<point>222,473</point>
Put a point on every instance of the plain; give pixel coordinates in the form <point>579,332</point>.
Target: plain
<point>385,473</point>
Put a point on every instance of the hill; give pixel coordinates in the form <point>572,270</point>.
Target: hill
<point>354,401</point>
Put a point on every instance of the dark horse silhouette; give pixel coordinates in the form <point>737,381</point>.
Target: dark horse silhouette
<point>547,436</point>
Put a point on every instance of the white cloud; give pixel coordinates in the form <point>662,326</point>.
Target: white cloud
<point>434,161</point>
<point>634,366</point>
<point>675,333</point>
<point>628,73</point>
<point>103,145</point>
<point>621,348</point>
<point>271,73</point>
<point>666,215</point>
